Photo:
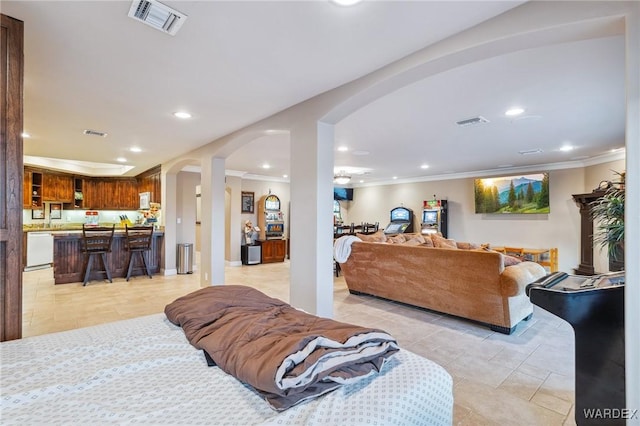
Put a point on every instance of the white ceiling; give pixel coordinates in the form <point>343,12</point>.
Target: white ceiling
<point>89,66</point>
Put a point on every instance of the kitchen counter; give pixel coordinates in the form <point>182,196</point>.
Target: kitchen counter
<point>68,257</point>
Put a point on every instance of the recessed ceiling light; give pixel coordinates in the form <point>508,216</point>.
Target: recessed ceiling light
<point>121,160</point>
<point>135,149</point>
<point>424,166</point>
<point>514,111</point>
<point>25,135</point>
<point>182,114</point>
<point>395,177</point>
<point>343,149</point>
<point>566,148</point>
<point>266,166</point>
<point>346,2</point>
<point>285,176</point>
<point>361,181</point>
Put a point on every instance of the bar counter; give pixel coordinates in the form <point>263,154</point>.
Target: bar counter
<point>68,257</point>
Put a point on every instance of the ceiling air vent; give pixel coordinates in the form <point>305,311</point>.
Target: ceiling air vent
<point>95,133</point>
<point>157,15</point>
<point>472,121</point>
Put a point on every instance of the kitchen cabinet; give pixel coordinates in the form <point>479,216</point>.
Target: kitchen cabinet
<point>150,181</point>
<point>35,190</point>
<point>56,187</point>
<point>273,250</point>
<point>98,193</point>
<point>26,191</point>
<point>127,194</point>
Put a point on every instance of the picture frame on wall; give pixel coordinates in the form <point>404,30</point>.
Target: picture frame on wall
<point>37,214</point>
<point>55,211</point>
<point>247,202</point>
<point>145,200</point>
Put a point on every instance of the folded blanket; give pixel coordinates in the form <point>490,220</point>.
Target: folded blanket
<point>342,247</point>
<point>285,354</point>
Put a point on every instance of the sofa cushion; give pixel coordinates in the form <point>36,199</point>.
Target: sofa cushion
<point>414,236</point>
<point>428,242</point>
<point>396,239</point>
<point>467,246</point>
<point>441,242</point>
<point>378,237</point>
<point>412,242</point>
<point>510,260</point>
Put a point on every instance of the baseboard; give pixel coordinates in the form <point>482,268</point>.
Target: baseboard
<point>234,263</point>
<point>35,268</point>
<point>167,272</point>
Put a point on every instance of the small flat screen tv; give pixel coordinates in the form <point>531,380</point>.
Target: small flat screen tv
<point>517,194</point>
<point>343,194</point>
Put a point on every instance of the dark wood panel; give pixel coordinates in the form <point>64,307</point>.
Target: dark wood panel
<point>11,177</point>
<point>273,250</point>
<point>69,260</point>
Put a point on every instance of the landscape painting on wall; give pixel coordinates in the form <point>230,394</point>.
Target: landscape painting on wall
<point>513,194</point>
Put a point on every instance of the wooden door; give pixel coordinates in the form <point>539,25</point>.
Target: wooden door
<point>49,185</point>
<point>11,191</point>
<point>64,188</point>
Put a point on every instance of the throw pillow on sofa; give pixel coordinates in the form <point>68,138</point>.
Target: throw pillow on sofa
<point>378,237</point>
<point>441,242</point>
<point>467,246</point>
<point>510,260</point>
<point>396,239</point>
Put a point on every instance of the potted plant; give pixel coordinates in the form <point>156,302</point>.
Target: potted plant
<point>608,213</point>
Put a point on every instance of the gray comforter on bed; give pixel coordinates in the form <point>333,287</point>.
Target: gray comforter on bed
<point>285,354</point>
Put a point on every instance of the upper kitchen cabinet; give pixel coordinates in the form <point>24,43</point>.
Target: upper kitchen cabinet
<point>32,190</point>
<point>97,193</point>
<point>57,187</point>
<point>150,181</point>
<point>26,190</point>
<point>110,193</point>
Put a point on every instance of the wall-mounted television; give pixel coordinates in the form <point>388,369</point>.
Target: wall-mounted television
<point>343,194</point>
<point>513,194</point>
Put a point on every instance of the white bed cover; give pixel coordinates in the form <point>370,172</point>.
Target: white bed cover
<point>144,371</point>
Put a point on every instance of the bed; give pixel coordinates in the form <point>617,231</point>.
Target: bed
<point>145,371</point>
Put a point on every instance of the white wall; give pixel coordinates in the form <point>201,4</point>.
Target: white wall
<point>186,208</point>
<point>560,228</point>
<point>260,188</point>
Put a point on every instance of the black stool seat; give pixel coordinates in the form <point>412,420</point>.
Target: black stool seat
<point>96,241</point>
<point>138,241</point>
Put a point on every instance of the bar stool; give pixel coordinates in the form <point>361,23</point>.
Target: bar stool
<point>138,241</point>
<point>96,241</point>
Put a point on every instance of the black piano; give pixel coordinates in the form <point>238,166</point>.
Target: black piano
<point>594,306</point>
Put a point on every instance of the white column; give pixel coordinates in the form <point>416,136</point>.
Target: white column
<point>236,222</point>
<point>212,222</point>
<point>217,221</point>
<point>168,218</point>
<point>311,236</point>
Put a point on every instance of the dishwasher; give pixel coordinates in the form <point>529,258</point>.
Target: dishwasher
<point>39,250</point>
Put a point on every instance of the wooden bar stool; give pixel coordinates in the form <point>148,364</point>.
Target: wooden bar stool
<point>96,241</point>
<point>138,241</point>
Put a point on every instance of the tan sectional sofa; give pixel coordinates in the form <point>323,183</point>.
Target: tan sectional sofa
<point>472,284</point>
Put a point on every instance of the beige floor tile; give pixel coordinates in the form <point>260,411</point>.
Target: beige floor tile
<point>496,406</point>
<point>521,385</point>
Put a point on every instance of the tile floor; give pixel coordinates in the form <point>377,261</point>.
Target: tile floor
<point>523,379</point>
